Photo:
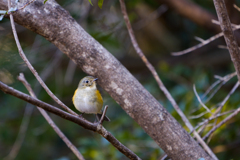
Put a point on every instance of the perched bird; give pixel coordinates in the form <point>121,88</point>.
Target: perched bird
<point>87,98</point>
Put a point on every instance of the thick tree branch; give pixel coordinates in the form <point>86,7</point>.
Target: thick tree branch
<point>56,25</point>
<point>228,34</point>
<point>76,119</point>
<point>158,80</point>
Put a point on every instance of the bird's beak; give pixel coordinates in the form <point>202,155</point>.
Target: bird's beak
<point>95,79</point>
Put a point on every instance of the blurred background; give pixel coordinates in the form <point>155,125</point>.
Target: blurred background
<point>161,27</point>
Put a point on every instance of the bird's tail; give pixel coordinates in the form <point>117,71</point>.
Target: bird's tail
<point>104,119</point>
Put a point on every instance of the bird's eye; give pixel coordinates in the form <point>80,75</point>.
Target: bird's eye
<point>87,81</point>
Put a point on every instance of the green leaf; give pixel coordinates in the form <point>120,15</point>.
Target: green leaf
<point>45,1</point>
<point>90,2</point>
<point>100,3</point>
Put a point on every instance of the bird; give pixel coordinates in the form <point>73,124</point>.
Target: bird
<point>87,98</point>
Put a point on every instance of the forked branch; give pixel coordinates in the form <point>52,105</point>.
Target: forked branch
<point>76,119</point>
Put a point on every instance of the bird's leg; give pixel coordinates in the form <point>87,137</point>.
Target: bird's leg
<point>101,116</point>
<point>96,119</point>
<point>80,115</point>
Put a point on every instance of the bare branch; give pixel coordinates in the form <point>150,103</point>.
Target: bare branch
<point>198,45</point>
<point>29,108</point>
<point>221,123</point>
<point>223,80</point>
<point>76,119</point>
<point>163,157</point>
<point>199,99</point>
<point>199,115</point>
<point>227,97</point>
<point>31,67</point>
<point>211,118</point>
<point>21,134</point>
<point>25,5</point>
<point>228,34</point>
<point>205,42</point>
<point>236,7</point>
<point>199,39</point>
<point>50,121</point>
<point>210,88</point>
<point>157,78</point>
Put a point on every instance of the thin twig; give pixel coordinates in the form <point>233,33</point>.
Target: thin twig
<point>205,42</point>
<point>76,119</point>
<point>236,7</point>
<point>31,67</point>
<point>222,47</point>
<point>198,116</point>
<point>29,108</point>
<point>163,157</point>
<point>158,80</point>
<point>221,123</point>
<point>227,97</point>
<point>221,106</point>
<point>25,5</point>
<point>223,80</point>
<point>199,39</point>
<point>210,137</point>
<point>198,45</point>
<point>103,114</point>
<point>21,134</point>
<point>210,88</point>
<point>199,99</point>
<point>49,120</point>
<point>211,118</point>
<point>218,23</point>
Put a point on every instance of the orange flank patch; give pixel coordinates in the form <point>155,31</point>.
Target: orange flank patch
<point>74,95</point>
<point>99,97</point>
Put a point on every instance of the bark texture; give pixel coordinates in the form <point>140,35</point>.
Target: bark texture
<point>56,25</point>
<point>229,37</point>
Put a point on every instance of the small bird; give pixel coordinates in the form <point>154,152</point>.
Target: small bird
<point>87,98</point>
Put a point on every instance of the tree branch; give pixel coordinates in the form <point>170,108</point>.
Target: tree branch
<point>221,123</point>
<point>158,80</point>
<point>49,120</point>
<point>56,25</point>
<point>76,119</point>
<point>31,67</point>
<point>228,34</point>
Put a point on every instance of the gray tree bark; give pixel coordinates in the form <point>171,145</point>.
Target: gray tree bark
<point>56,25</point>
<point>229,37</point>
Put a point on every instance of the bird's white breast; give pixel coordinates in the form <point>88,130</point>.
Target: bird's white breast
<point>83,103</point>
